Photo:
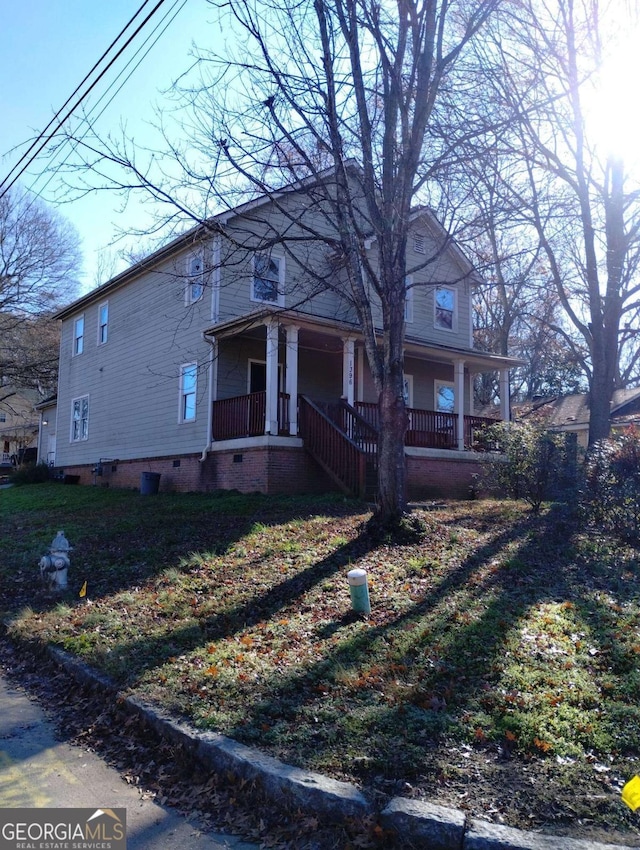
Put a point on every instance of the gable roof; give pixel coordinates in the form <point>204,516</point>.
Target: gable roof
<point>573,411</point>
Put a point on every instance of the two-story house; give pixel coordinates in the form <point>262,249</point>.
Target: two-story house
<point>232,358</point>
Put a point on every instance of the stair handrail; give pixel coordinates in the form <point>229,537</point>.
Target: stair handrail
<point>355,481</point>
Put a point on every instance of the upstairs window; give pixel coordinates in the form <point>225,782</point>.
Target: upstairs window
<point>445,308</point>
<point>78,335</point>
<point>268,274</point>
<point>80,419</point>
<point>195,275</point>
<point>188,387</point>
<point>103,323</point>
<point>419,243</point>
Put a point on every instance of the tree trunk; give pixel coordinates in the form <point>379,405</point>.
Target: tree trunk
<point>391,459</point>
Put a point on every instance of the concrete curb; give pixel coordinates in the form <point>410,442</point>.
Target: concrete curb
<point>415,824</point>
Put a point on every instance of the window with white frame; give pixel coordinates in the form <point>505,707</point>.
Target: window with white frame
<point>78,335</point>
<point>80,419</point>
<point>195,274</point>
<point>445,308</point>
<point>3,416</point>
<point>407,390</point>
<point>188,387</point>
<point>103,323</point>
<point>268,278</point>
<point>445,397</point>
<point>408,302</point>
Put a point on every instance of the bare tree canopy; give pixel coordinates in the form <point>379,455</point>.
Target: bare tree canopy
<point>39,267</point>
<point>542,62</point>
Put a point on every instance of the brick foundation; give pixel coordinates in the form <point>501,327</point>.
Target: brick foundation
<point>279,470</point>
<point>264,469</point>
<point>444,477</point>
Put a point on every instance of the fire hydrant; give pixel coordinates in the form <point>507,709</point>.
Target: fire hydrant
<point>53,567</point>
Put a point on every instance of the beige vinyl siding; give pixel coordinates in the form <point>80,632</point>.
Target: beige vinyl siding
<point>133,381</point>
<point>249,235</point>
<point>233,365</point>
<point>428,271</point>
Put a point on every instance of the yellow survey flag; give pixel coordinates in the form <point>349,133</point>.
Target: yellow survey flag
<point>631,793</point>
<point>83,590</point>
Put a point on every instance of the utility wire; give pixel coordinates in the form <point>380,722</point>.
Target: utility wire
<point>47,139</point>
<point>162,26</point>
<point>75,91</point>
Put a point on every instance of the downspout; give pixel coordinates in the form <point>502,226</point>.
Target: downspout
<point>212,345</point>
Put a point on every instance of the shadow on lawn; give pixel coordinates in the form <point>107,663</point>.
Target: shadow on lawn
<point>121,539</point>
<point>376,719</point>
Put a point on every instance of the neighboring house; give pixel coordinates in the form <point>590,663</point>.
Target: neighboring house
<point>18,424</point>
<point>215,363</point>
<point>571,413</point>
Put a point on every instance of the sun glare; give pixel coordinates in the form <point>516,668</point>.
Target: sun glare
<point>614,117</point>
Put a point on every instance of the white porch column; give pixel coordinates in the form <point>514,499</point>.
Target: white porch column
<point>291,379</point>
<point>348,369</point>
<point>459,400</point>
<point>505,406</point>
<point>271,409</point>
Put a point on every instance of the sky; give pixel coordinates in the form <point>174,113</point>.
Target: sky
<point>48,47</point>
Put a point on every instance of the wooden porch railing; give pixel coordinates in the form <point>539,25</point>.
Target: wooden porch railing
<point>431,428</point>
<point>344,460</point>
<point>244,416</point>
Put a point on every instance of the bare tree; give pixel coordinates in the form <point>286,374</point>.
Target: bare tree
<point>542,61</point>
<point>39,266</point>
<point>313,88</point>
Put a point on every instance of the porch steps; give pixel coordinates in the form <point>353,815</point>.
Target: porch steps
<point>350,461</point>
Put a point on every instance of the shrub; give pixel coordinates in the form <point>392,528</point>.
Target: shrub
<point>31,473</point>
<point>610,495</point>
<point>535,464</point>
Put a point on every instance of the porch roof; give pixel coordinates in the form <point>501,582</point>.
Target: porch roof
<point>477,361</point>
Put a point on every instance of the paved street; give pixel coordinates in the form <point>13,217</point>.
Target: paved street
<point>39,771</point>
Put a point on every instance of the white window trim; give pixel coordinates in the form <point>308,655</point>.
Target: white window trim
<point>189,298</point>
<point>437,385</point>
<point>264,363</point>
<point>408,383</point>
<point>454,318</point>
<point>408,304</point>
<point>74,352</point>
<point>279,301</point>
<point>182,396</point>
<point>80,439</point>
<point>105,326</point>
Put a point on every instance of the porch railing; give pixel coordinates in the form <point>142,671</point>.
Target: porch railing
<point>350,465</point>
<point>244,416</point>
<point>431,428</point>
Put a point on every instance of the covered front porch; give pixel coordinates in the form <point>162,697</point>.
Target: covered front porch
<point>289,375</point>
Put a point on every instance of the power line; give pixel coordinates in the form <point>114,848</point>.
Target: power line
<point>47,139</point>
<point>162,28</point>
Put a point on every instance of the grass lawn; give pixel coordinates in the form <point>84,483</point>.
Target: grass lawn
<point>498,671</point>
